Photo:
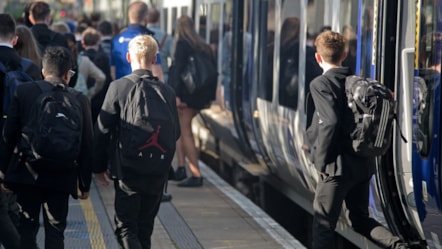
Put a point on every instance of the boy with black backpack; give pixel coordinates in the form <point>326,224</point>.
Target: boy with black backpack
<point>14,70</point>
<point>139,120</point>
<point>46,149</point>
<point>343,175</point>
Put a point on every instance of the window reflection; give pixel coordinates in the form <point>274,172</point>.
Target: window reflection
<point>426,84</point>
<point>266,89</point>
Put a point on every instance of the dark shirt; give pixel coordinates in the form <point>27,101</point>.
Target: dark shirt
<point>46,37</point>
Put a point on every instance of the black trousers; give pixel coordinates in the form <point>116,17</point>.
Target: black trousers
<point>55,210</point>
<point>352,187</point>
<point>135,213</point>
<point>9,236</point>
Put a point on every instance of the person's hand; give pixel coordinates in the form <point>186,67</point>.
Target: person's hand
<point>83,195</point>
<point>180,104</point>
<point>5,189</point>
<point>102,178</point>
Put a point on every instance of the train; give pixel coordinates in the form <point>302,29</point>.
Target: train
<point>256,128</point>
<point>257,124</point>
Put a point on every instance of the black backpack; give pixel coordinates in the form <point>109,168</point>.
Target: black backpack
<point>374,110</point>
<point>200,74</point>
<point>12,79</point>
<point>147,135</point>
<point>52,136</point>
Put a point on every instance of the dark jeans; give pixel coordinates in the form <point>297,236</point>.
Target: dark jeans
<point>135,215</point>
<point>55,211</point>
<point>9,236</point>
<point>353,188</point>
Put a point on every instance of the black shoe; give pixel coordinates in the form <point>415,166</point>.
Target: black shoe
<point>180,173</point>
<point>191,182</point>
<point>166,197</point>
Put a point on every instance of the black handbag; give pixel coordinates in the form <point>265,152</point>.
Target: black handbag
<point>200,73</point>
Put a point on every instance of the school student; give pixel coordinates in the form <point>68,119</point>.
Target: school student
<point>64,163</point>
<point>138,179</point>
<point>343,176</point>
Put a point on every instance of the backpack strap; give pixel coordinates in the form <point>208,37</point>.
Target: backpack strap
<point>163,41</point>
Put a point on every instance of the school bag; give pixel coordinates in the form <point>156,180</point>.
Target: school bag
<point>147,135</point>
<point>200,74</point>
<point>13,78</point>
<point>51,139</point>
<point>373,111</point>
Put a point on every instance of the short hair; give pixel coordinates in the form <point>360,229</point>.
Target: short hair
<point>143,48</point>
<point>138,10</point>
<point>57,60</point>
<point>331,46</point>
<point>40,10</point>
<point>153,15</point>
<point>95,16</point>
<point>91,37</point>
<point>60,27</point>
<point>105,27</point>
<point>7,27</point>
<point>81,27</point>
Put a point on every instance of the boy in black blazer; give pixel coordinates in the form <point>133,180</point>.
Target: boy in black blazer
<point>342,175</point>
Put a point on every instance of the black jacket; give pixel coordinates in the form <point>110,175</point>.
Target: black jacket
<point>12,61</point>
<point>108,123</point>
<point>326,133</point>
<point>46,37</point>
<point>17,174</point>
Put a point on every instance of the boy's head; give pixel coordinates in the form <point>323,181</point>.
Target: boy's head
<point>40,12</point>
<point>7,28</point>
<point>331,47</point>
<point>143,50</point>
<point>91,37</point>
<point>57,61</point>
<point>138,12</point>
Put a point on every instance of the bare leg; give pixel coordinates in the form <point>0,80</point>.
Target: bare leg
<point>187,142</point>
<point>180,153</point>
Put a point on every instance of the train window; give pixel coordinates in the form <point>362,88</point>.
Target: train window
<point>289,56</point>
<point>266,87</point>
<point>428,81</point>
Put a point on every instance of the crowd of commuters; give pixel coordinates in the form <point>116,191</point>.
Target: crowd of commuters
<point>92,61</point>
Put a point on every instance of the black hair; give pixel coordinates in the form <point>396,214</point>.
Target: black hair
<point>7,26</point>
<point>40,10</point>
<point>57,61</point>
<point>105,27</point>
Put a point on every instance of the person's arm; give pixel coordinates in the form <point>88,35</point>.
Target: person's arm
<point>106,123</point>
<point>95,73</point>
<point>157,69</point>
<point>85,157</point>
<point>326,109</point>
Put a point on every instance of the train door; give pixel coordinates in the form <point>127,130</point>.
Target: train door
<point>426,146</point>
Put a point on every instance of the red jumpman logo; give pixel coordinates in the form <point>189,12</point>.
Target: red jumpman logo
<point>153,141</point>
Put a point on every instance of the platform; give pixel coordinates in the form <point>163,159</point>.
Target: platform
<point>213,216</point>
